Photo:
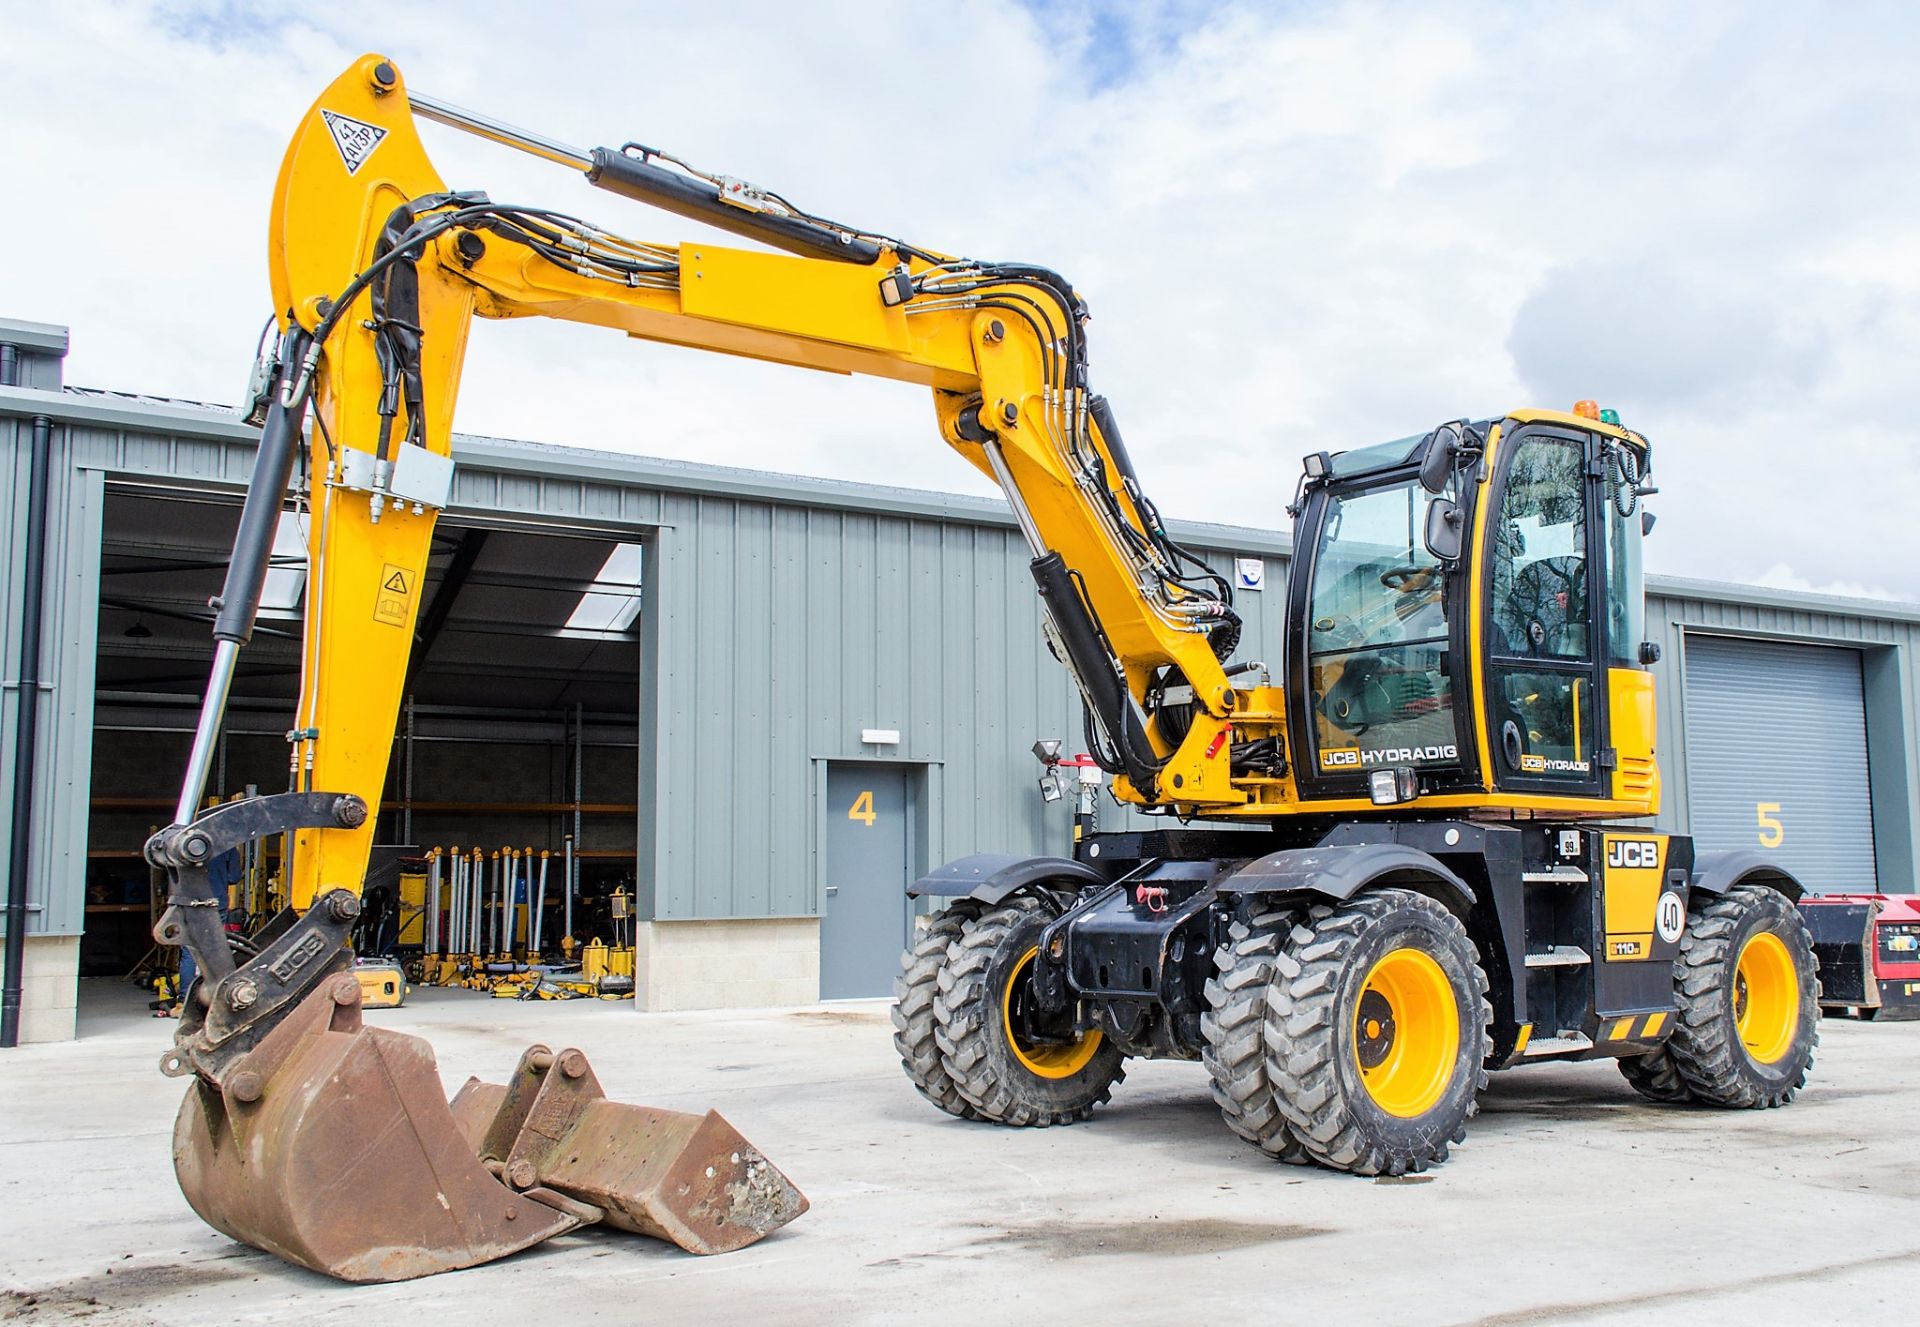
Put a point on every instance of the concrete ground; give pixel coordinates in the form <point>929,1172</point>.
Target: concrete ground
<point>1571,1201</point>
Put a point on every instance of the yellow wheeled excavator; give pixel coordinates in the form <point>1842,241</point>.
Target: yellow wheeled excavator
<point>1420,860</point>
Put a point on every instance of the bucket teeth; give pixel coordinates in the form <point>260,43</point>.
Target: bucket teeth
<point>332,1145</point>
<point>689,1179</point>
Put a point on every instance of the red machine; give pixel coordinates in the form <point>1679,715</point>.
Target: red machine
<point>1869,951</point>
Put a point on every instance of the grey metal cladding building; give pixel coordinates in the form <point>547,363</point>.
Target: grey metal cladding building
<point>799,645</point>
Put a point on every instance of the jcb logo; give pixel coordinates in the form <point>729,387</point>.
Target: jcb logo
<point>1634,854</point>
<point>1347,758</point>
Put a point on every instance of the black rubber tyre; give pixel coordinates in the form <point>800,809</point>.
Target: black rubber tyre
<point>1712,992</point>
<point>1655,1077</point>
<point>913,1021</point>
<point>989,1070</point>
<point>1233,1026</point>
<point>1314,1035</point>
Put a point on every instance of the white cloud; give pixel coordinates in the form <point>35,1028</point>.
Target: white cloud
<point>1782,577</point>
<point>1298,228</point>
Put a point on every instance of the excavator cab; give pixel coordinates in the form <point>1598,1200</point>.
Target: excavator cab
<point>1468,613</point>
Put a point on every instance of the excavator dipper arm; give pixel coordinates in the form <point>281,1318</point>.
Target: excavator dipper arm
<point>378,270</point>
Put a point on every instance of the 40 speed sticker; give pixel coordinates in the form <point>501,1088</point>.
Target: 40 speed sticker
<point>1671,917</point>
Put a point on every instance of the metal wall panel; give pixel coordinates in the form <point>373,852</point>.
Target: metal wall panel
<point>1777,756</point>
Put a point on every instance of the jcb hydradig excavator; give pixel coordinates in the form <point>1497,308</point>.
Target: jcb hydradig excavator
<point>1422,865</point>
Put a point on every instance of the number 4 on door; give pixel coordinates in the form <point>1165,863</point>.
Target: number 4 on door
<point>862,808</point>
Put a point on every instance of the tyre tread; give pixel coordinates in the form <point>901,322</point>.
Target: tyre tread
<point>914,1024</point>
<point>1233,1031</point>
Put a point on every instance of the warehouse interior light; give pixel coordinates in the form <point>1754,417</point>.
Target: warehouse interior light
<point>612,602</point>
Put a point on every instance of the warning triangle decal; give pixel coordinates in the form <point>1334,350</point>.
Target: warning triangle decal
<point>396,582</point>
<point>356,139</point>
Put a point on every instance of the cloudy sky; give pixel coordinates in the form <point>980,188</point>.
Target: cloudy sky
<point>1299,226</point>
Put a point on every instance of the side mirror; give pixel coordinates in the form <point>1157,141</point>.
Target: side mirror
<point>1646,522</point>
<point>1443,449</point>
<point>1445,532</point>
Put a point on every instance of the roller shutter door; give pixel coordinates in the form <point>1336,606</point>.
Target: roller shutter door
<point>1777,757</point>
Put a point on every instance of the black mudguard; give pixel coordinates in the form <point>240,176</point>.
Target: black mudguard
<point>1338,872</point>
<point>1717,872</point>
<point>995,877</point>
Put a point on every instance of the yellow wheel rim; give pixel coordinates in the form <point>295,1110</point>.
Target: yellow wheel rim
<point>1043,1060</point>
<point>1766,998</point>
<point>1406,1033</point>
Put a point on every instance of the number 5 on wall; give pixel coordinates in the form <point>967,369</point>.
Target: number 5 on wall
<point>1767,816</point>
<point>862,808</point>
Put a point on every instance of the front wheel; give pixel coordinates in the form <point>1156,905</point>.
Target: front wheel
<point>1011,1062</point>
<point>1376,1032</point>
<point>1748,998</point>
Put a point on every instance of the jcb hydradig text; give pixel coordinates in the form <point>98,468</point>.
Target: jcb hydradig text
<point>1409,886</point>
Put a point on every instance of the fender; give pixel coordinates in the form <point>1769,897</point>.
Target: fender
<point>1717,872</point>
<point>995,877</point>
<point>1339,872</point>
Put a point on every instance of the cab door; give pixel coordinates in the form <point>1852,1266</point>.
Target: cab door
<point>1544,708</point>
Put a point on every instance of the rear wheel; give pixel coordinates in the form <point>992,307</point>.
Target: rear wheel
<point>1233,1026</point>
<point>914,1026</point>
<point>1010,1062</point>
<point>1376,1032</point>
<point>1749,1000</point>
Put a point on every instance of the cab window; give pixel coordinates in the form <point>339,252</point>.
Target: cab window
<point>1540,606</point>
<point>1377,636</point>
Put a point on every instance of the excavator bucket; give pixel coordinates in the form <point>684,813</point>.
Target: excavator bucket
<point>332,1145</point>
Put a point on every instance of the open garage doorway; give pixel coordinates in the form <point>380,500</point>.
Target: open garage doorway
<point>518,734</point>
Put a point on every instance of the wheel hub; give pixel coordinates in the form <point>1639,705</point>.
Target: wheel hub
<point>1044,1059</point>
<point>1376,1025</point>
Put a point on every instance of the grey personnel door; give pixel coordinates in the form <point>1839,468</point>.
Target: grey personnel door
<point>1777,757</point>
<point>863,922</point>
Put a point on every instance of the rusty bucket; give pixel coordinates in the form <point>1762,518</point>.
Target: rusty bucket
<point>331,1144</point>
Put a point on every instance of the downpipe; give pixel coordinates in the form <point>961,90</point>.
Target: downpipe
<point>26,730</point>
